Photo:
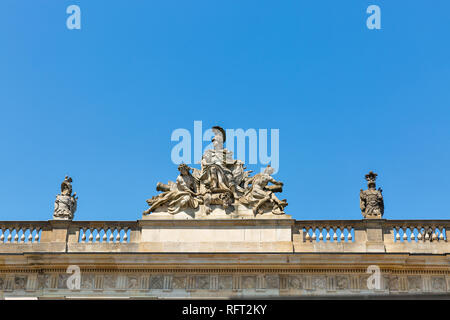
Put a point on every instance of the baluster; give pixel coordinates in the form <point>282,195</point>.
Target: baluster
<point>313,234</point>
<point>83,237</point>
<point>307,237</point>
<point>412,234</point>
<point>349,236</point>
<point>16,236</point>
<point>36,236</point>
<point>320,234</point>
<point>111,235</point>
<point>104,238</point>
<point>125,236</point>
<point>405,235</point>
<point>427,235</point>
<point>328,237</point>
<point>91,235</point>
<point>2,237</point>
<point>118,235</point>
<point>97,237</point>
<point>434,234</point>
<point>397,236</point>
<point>9,239</point>
<point>441,233</point>
<point>335,234</point>
<point>30,235</point>
<point>22,237</point>
<point>419,233</point>
<point>342,233</point>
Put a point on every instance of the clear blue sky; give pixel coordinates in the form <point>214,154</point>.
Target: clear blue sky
<point>100,103</point>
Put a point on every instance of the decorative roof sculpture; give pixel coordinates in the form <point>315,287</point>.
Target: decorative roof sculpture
<point>371,200</point>
<point>221,187</point>
<point>66,202</point>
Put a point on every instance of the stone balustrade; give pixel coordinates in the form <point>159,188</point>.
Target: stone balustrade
<point>224,258</point>
<point>417,236</point>
<point>416,231</point>
<point>24,232</point>
<point>321,236</point>
<point>104,232</point>
<point>328,231</point>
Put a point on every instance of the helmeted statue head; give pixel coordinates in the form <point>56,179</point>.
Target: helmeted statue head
<point>66,186</point>
<point>371,177</point>
<point>219,137</point>
<point>183,168</point>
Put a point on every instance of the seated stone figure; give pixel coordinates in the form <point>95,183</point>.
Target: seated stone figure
<point>261,196</point>
<point>177,195</point>
<point>215,172</point>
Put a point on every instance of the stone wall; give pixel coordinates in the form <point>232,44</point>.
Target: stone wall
<point>240,259</point>
<point>222,275</point>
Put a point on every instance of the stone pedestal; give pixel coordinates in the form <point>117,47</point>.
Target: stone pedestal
<point>374,235</point>
<point>238,211</point>
<point>219,231</point>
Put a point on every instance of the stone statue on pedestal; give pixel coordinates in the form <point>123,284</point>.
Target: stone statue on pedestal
<point>66,202</point>
<point>371,200</point>
<point>221,182</point>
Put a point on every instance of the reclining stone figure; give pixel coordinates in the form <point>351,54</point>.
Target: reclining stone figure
<point>176,195</point>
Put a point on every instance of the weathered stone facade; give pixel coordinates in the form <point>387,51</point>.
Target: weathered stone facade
<point>220,232</point>
<point>275,258</point>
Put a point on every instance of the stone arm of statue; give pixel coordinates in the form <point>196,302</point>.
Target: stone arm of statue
<point>74,207</point>
<point>276,186</point>
<point>275,181</point>
<point>56,204</point>
<point>381,201</point>
<point>362,203</point>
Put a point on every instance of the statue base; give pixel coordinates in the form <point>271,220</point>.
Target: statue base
<point>237,230</point>
<point>237,211</point>
<point>63,218</point>
<point>373,217</point>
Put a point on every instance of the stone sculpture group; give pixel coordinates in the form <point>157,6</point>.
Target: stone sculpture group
<point>66,202</point>
<point>221,183</point>
<point>371,200</point>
